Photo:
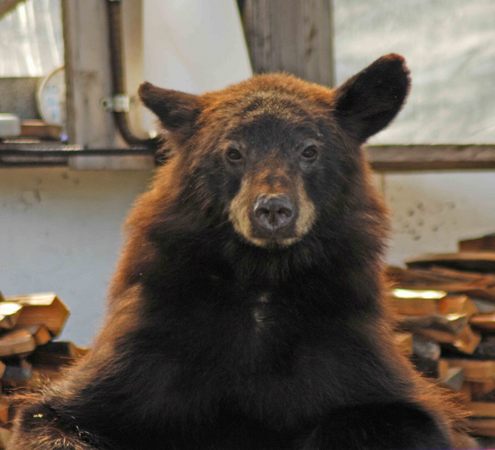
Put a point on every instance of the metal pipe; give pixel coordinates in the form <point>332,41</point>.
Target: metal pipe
<point>114,16</point>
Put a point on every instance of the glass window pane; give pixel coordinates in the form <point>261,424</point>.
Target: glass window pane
<point>450,49</point>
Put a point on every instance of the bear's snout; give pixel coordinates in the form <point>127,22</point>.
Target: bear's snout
<point>273,215</point>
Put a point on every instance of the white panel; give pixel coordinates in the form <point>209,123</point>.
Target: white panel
<point>432,211</point>
<point>193,45</point>
<point>61,231</point>
<point>449,48</point>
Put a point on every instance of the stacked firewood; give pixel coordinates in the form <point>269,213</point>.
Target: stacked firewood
<point>446,321</point>
<point>29,355</point>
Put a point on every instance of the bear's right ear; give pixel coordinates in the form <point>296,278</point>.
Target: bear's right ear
<point>176,110</point>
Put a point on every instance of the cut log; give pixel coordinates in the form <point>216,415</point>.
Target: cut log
<point>42,309</point>
<point>479,244</point>
<point>476,371</point>
<point>476,261</point>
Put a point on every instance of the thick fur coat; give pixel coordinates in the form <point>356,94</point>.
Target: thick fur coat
<point>247,308</point>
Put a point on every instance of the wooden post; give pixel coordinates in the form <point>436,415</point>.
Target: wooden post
<point>290,35</point>
<point>87,68</point>
<point>132,23</point>
<point>8,5</point>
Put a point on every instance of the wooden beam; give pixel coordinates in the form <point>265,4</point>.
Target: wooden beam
<point>87,69</point>
<point>75,157</point>
<point>400,158</point>
<point>117,162</point>
<point>8,5</point>
<point>132,36</point>
<point>393,158</point>
<point>290,35</point>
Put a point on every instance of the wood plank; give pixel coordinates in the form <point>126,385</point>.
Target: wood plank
<point>8,5</point>
<point>42,309</point>
<point>477,261</point>
<point>4,411</point>
<point>405,343</point>
<point>292,36</point>
<point>39,155</point>
<point>16,342</point>
<point>466,341</point>
<point>476,371</point>
<point>35,128</point>
<point>479,390</point>
<point>430,302</point>
<point>87,68</point>
<point>9,314</point>
<point>482,409</point>
<point>484,243</point>
<point>483,322</point>
<point>482,427</point>
<point>118,162</point>
<point>5,435</point>
<point>398,158</point>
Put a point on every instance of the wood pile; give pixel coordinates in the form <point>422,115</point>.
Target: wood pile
<point>446,305</point>
<point>29,356</point>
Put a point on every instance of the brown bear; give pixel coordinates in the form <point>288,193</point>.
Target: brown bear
<point>247,308</point>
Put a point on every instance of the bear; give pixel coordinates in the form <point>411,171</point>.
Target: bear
<point>247,309</point>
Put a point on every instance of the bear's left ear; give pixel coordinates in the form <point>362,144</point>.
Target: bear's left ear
<point>368,101</point>
<point>176,110</point>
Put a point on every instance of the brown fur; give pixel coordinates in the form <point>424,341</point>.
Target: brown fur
<point>216,341</point>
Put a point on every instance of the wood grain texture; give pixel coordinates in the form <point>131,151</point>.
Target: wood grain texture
<point>8,5</point>
<point>292,36</point>
<point>393,158</point>
<point>87,68</point>
<point>389,158</point>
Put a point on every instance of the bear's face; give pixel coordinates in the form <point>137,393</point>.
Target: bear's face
<point>274,152</point>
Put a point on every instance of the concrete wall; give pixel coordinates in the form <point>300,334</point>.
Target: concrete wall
<point>60,230</point>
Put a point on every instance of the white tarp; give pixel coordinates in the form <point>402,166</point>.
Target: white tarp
<point>194,45</point>
<point>450,49</point>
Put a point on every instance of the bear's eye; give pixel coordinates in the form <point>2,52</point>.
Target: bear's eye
<point>234,155</point>
<point>309,153</point>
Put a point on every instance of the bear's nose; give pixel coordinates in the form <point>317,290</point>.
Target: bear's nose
<point>273,212</point>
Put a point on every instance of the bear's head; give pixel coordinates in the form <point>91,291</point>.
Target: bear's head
<point>274,155</point>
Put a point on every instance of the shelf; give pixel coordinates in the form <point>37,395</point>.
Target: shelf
<point>408,158</point>
<point>76,157</point>
<point>383,158</point>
